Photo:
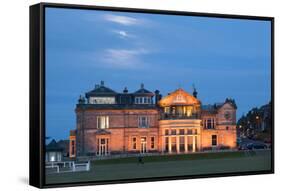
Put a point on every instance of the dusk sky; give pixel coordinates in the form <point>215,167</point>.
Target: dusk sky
<point>222,57</point>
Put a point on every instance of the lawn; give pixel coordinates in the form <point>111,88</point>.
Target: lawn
<point>168,165</point>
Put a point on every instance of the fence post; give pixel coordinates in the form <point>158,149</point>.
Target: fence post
<point>88,166</point>
<point>73,167</point>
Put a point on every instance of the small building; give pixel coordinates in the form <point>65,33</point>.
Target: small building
<point>54,152</point>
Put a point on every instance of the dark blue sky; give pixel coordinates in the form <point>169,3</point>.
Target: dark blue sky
<point>222,57</point>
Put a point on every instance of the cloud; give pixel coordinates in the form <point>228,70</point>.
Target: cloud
<point>123,34</point>
<point>123,20</point>
<point>123,58</point>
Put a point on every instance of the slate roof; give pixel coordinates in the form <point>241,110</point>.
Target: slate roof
<point>209,108</point>
<point>101,91</point>
<point>53,146</point>
<point>143,91</point>
<point>116,106</point>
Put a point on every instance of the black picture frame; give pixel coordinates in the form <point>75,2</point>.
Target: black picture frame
<point>37,92</point>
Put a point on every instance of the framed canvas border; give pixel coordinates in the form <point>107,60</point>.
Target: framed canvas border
<point>37,93</point>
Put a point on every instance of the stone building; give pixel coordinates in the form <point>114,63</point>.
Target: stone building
<point>111,123</point>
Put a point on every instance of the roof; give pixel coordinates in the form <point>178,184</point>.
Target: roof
<point>116,106</point>
<point>143,91</point>
<point>213,108</point>
<point>53,146</point>
<point>101,90</point>
<point>178,97</point>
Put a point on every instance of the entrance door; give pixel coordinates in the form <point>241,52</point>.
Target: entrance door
<point>103,147</point>
<point>143,145</point>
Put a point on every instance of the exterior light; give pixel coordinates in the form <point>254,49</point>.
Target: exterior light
<point>257,117</point>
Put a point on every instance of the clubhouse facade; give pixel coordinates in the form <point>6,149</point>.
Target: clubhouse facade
<point>111,123</point>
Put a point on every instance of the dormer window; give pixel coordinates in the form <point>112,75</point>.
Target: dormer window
<point>142,100</point>
<point>102,100</point>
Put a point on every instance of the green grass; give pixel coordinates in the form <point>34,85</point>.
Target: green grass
<point>168,165</point>
<point>163,158</point>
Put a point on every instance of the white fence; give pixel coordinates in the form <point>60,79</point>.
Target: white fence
<point>67,166</point>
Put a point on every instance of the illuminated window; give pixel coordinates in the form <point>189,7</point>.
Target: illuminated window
<point>173,132</point>
<point>102,122</point>
<point>181,131</point>
<point>52,158</point>
<point>195,131</point>
<point>182,144</point>
<point>134,143</point>
<point>143,122</point>
<point>72,147</point>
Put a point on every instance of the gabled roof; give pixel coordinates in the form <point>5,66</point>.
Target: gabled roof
<point>178,97</point>
<point>215,107</point>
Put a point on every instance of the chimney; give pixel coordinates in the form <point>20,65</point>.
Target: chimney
<point>102,83</point>
<point>125,90</point>
<point>157,96</point>
<point>194,91</point>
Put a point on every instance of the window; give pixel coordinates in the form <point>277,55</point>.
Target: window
<point>209,123</point>
<point>142,100</point>
<point>166,131</point>
<point>189,131</point>
<point>102,100</point>
<point>145,100</point>
<point>227,128</point>
<point>179,98</point>
<point>152,142</point>
<point>181,131</point>
<point>167,110</point>
<point>143,122</point>
<point>195,131</point>
<point>134,143</point>
<point>102,122</point>
<point>173,132</point>
<point>72,148</point>
<point>214,140</point>
<point>166,144</point>
<point>182,148</point>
